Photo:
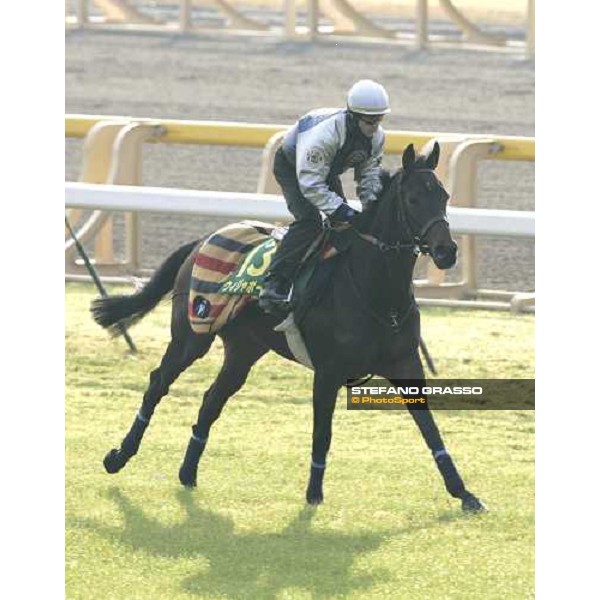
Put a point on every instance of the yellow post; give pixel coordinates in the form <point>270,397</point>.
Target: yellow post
<point>463,190</point>
<point>126,169</point>
<point>471,32</point>
<point>312,8</point>
<point>112,154</point>
<point>82,13</point>
<point>236,19</point>
<point>119,11</point>
<point>348,19</point>
<point>290,19</point>
<point>185,15</point>
<point>422,25</point>
<point>96,165</point>
<point>530,28</point>
<point>433,284</point>
<point>267,183</point>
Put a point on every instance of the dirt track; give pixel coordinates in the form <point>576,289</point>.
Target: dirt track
<point>272,81</point>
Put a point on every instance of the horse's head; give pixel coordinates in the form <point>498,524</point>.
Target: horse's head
<point>420,200</point>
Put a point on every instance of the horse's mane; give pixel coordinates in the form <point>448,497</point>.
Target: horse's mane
<point>386,177</point>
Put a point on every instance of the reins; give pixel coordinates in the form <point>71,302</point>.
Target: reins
<point>394,323</point>
<point>416,247</point>
<point>384,246</point>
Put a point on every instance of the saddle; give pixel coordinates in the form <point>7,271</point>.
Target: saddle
<point>230,266</point>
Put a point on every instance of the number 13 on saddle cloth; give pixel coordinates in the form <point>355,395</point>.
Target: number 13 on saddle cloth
<point>228,272</point>
<point>229,269</point>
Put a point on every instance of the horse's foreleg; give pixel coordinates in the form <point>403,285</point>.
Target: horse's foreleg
<point>325,389</point>
<point>177,358</point>
<point>240,355</point>
<point>452,479</point>
<point>423,417</point>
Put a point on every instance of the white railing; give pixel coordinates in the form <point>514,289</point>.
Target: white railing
<point>476,221</point>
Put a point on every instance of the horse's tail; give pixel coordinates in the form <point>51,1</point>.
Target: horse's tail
<point>110,312</point>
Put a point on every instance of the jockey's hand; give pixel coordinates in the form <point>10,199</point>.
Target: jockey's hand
<point>342,214</point>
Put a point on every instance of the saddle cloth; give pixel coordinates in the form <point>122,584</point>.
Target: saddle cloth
<point>228,272</point>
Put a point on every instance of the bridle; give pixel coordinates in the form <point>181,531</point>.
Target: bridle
<point>416,246</point>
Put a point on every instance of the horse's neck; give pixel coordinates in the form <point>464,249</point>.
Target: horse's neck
<point>385,279</point>
<point>384,282</point>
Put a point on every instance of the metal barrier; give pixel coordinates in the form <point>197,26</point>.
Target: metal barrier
<point>346,18</point>
<point>114,145</point>
<point>256,135</point>
<point>457,169</point>
<point>270,207</point>
<point>111,154</point>
<point>120,12</point>
<point>517,223</point>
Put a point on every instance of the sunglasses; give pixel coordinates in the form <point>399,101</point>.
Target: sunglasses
<point>374,120</point>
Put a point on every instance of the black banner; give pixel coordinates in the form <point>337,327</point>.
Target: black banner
<point>442,394</point>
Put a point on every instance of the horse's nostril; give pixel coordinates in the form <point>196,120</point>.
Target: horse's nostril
<point>448,250</point>
<point>445,254</point>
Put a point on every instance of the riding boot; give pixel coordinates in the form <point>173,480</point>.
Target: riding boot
<point>275,291</point>
<point>286,262</point>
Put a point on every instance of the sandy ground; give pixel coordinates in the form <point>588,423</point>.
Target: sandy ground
<point>212,76</point>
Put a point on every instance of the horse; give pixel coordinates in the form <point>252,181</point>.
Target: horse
<point>365,322</point>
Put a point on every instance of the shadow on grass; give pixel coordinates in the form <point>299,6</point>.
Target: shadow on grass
<point>248,565</point>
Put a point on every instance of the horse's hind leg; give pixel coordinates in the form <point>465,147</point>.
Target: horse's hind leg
<point>241,353</point>
<point>180,354</point>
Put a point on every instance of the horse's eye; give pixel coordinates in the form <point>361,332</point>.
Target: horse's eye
<point>412,201</point>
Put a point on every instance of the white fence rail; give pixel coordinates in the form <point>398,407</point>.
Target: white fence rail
<point>476,221</point>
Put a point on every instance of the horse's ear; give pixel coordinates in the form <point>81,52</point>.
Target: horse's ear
<point>433,157</point>
<point>408,157</point>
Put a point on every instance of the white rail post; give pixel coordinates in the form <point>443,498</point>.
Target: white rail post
<point>82,13</point>
<point>290,18</point>
<point>185,15</point>
<point>312,8</point>
<point>422,37</point>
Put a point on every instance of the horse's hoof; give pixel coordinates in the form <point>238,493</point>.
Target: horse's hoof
<point>314,498</point>
<point>472,504</point>
<point>188,480</point>
<point>114,461</point>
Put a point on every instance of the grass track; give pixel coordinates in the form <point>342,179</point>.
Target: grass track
<point>387,528</point>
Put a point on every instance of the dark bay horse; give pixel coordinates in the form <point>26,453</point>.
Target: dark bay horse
<point>365,322</point>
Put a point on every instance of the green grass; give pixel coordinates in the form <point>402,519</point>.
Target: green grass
<point>387,528</point>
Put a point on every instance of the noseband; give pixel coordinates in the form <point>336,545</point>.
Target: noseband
<point>417,246</point>
<point>396,318</point>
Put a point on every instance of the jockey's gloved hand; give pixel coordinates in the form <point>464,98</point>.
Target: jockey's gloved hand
<point>342,214</point>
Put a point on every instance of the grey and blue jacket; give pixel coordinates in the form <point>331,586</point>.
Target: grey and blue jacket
<point>327,142</point>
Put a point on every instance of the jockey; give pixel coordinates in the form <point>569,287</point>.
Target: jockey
<point>321,146</point>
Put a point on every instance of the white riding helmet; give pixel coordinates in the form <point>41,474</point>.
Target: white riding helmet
<point>367,97</point>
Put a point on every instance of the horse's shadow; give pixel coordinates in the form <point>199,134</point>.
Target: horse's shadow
<point>248,565</point>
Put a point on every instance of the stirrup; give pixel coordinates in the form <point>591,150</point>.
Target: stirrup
<point>272,302</point>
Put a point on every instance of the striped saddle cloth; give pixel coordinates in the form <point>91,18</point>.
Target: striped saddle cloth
<point>228,271</point>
